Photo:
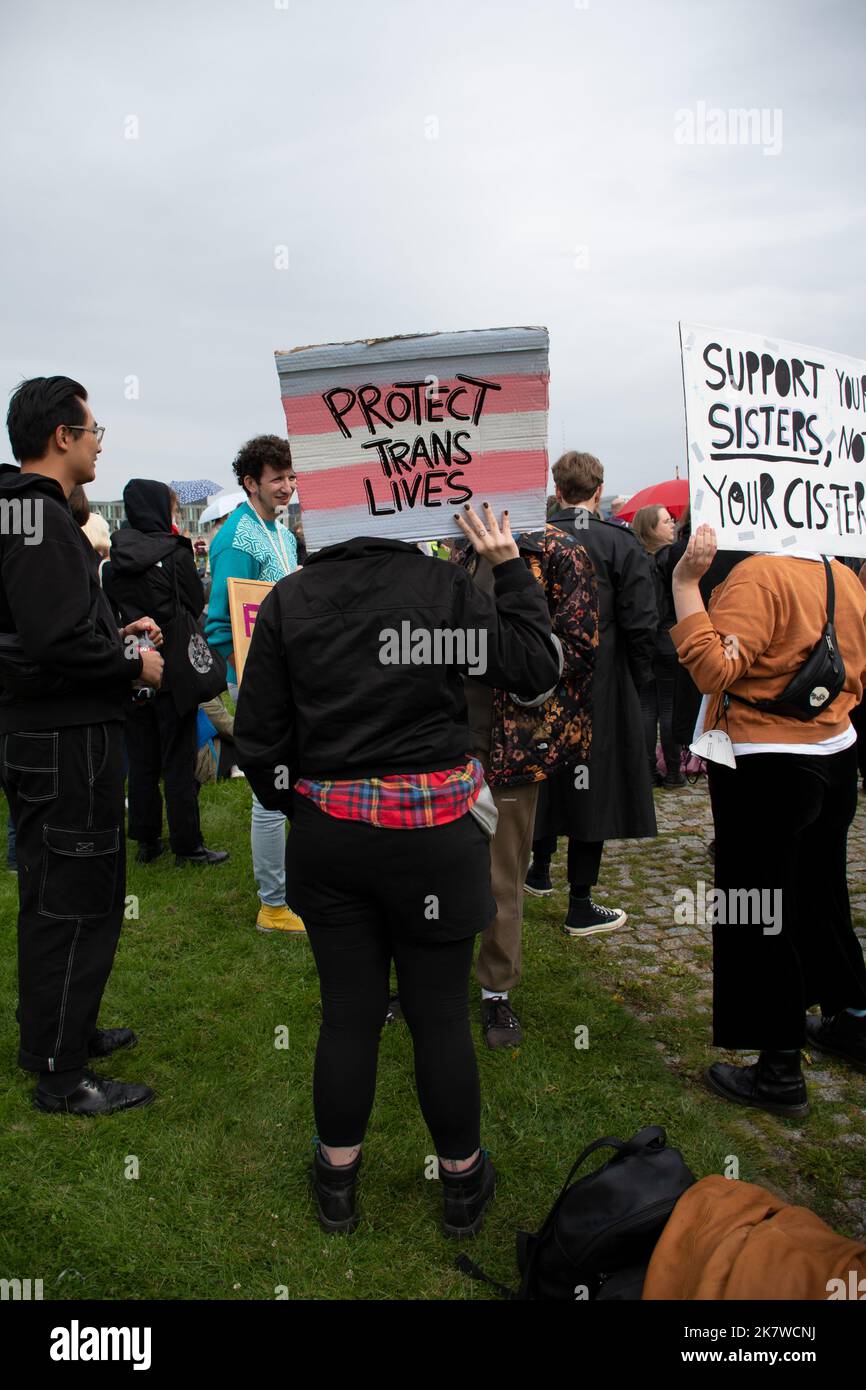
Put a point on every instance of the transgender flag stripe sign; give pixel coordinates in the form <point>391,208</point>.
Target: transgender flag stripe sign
<point>391,437</point>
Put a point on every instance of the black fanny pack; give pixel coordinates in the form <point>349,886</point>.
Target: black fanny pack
<point>818,681</point>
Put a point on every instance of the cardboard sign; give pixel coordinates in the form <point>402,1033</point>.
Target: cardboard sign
<point>246,597</point>
<point>776,442</point>
<point>391,437</point>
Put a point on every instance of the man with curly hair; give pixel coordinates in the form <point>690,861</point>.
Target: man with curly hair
<point>254,544</point>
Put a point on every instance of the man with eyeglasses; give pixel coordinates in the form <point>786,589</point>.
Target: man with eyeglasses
<point>65,671</point>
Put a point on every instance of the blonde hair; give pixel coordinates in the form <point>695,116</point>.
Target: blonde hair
<point>97,532</point>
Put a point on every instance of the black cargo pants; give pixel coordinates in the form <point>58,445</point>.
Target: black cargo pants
<point>65,792</point>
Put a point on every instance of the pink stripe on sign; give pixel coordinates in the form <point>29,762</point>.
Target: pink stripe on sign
<point>310,414</point>
<point>487,474</point>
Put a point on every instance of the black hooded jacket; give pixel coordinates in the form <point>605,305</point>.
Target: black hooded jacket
<point>146,557</point>
<point>50,597</point>
<point>317,694</point>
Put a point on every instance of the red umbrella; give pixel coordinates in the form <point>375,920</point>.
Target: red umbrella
<point>673,494</point>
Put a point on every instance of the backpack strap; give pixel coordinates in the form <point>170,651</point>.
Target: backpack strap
<point>466,1266</point>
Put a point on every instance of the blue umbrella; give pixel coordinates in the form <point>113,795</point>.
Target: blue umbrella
<point>196,490</point>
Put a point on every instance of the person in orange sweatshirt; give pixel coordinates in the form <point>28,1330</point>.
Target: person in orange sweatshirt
<point>783,798</point>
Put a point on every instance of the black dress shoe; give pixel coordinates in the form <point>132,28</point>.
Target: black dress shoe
<point>500,1024</point>
<point>95,1095</point>
<point>108,1040</point>
<point>773,1083</point>
<point>149,851</point>
<point>335,1193</point>
<point>202,856</point>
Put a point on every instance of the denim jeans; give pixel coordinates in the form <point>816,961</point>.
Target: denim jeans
<point>268,841</point>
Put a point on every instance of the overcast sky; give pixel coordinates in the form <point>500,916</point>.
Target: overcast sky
<point>464,164</point>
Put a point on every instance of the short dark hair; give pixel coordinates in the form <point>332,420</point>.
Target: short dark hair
<point>577,476</point>
<point>37,407</point>
<point>257,453</point>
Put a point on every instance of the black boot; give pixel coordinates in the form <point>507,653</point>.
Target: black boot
<point>466,1195</point>
<point>774,1083</point>
<point>843,1034</point>
<point>335,1192</point>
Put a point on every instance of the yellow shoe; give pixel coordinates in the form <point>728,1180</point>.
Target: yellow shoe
<point>279,919</point>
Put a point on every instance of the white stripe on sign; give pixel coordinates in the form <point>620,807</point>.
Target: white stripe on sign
<point>493,434</point>
<point>330,526</point>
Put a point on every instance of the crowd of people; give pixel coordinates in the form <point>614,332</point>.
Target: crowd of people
<point>441,795</point>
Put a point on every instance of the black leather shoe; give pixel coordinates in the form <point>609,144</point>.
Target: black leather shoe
<point>95,1095</point>
<point>466,1196</point>
<point>500,1024</point>
<point>842,1034</point>
<point>108,1040</point>
<point>202,856</point>
<point>773,1083</point>
<point>147,852</point>
<point>334,1188</point>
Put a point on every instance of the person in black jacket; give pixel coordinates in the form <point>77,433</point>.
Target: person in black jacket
<point>610,798</point>
<point>64,674</point>
<point>152,570</point>
<point>655,527</point>
<point>352,719</point>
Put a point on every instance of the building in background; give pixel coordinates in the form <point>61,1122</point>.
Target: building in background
<point>189,515</point>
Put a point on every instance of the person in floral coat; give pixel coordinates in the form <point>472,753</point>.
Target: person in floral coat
<point>520,745</point>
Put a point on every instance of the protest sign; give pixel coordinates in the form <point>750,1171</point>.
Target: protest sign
<point>246,597</point>
<point>392,436</point>
<point>776,442</point>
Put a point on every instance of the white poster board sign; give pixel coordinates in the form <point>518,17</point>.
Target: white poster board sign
<point>393,436</point>
<point>776,442</point>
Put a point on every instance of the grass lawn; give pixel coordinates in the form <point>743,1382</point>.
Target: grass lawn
<point>220,1208</point>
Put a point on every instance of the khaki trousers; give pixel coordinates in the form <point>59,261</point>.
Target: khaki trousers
<point>500,954</point>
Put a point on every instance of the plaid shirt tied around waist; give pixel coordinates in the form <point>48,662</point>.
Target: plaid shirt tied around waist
<point>407,801</point>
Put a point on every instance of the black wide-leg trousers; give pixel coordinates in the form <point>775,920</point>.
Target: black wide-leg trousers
<point>781,822</point>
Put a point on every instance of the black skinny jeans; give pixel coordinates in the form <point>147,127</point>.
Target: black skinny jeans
<point>367,897</point>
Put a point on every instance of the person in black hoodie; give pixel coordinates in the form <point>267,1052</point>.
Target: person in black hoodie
<point>151,569</point>
<point>368,747</point>
<point>64,674</point>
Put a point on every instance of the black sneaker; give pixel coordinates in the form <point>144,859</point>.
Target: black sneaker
<point>842,1034</point>
<point>500,1024</point>
<point>466,1196</point>
<point>674,779</point>
<point>538,882</point>
<point>586,918</point>
<point>395,1009</point>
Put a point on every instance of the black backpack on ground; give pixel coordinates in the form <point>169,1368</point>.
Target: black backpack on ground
<point>601,1231</point>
